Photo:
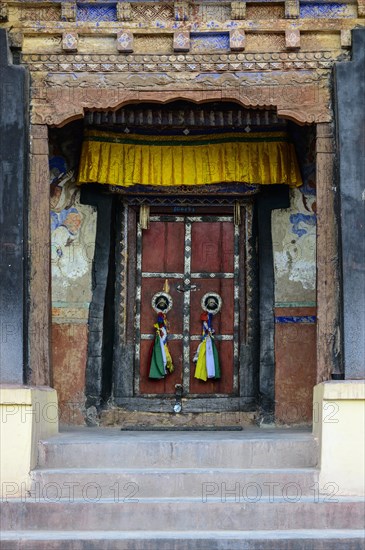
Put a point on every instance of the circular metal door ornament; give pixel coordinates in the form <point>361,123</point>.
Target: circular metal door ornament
<point>162,302</point>
<point>211,303</point>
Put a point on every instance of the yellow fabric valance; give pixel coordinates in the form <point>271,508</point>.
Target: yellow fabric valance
<point>125,160</point>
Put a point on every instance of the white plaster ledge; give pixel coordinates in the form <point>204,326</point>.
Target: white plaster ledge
<point>343,389</point>
<point>21,395</point>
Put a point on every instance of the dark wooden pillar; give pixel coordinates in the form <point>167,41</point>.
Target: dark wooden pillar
<point>328,287</point>
<point>13,172</point>
<point>350,111</point>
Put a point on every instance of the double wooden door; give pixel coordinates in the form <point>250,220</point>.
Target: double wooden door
<point>196,255</point>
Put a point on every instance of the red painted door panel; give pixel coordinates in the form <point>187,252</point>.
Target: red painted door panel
<point>197,256</point>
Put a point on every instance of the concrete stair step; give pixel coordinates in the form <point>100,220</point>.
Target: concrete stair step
<point>184,514</point>
<point>173,482</point>
<point>310,539</point>
<point>111,448</point>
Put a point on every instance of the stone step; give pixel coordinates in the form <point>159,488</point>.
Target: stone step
<point>111,448</point>
<point>173,482</point>
<point>184,514</point>
<point>175,540</point>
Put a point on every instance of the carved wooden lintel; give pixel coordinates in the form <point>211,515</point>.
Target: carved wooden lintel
<point>306,103</point>
<point>124,11</point>
<point>68,11</point>
<point>291,9</point>
<point>238,9</point>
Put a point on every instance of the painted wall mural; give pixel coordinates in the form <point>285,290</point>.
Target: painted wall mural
<point>73,229</point>
<point>294,233</point>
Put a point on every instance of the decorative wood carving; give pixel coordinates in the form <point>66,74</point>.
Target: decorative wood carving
<point>346,39</point>
<point>181,10</point>
<point>361,8</point>
<point>237,39</point>
<point>248,62</point>
<point>302,103</point>
<point>238,9</point>
<point>125,41</point>
<point>292,39</point>
<point>124,11</point>
<point>291,9</point>
<point>182,41</point>
<point>4,12</point>
<point>68,11</point>
<point>70,41</point>
<point>16,40</point>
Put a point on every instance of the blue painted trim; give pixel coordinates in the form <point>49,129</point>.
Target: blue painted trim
<point>304,319</point>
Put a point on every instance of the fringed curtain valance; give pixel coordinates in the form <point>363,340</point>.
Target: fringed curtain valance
<point>125,160</point>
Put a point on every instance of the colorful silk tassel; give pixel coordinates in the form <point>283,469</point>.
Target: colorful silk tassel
<point>206,356</point>
<point>161,361</point>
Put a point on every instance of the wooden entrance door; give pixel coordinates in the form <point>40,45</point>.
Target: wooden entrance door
<point>196,255</point>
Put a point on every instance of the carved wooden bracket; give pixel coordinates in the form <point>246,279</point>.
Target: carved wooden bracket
<point>238,9</point>
<point>124,11</point>
<point>291,9</point>
<point>4,12</point>
<point>361,8</point>
<point>292,39</point>
<point>181,10</point>
<point>346,39</point>
<point>68,11</point>
<point>125,41</point>
<point>237,39</point>
<point>70,41</point>
<point>182,41</point>
<point>16,40</point>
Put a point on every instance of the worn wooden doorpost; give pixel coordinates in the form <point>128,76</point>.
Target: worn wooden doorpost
<point>39,258</point>
<point>328,308</point>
